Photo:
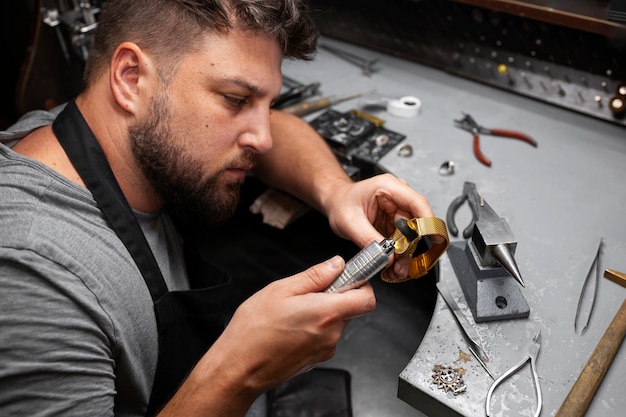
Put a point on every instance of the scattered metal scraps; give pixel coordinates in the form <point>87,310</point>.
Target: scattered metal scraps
<point>464,357</point>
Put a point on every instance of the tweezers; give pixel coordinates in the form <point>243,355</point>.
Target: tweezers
<point>597,265</point>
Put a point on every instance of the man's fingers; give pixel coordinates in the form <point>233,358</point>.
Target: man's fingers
<point>319,277</point>
<point>312,283</point>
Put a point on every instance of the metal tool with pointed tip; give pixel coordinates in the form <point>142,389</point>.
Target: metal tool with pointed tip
<point>469,333</point>
<point>485,265</point>
<point>592,281</point>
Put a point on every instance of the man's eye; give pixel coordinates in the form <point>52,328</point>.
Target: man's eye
<point>236,101</point>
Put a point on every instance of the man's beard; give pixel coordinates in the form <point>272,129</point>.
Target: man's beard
<point>178,176</point>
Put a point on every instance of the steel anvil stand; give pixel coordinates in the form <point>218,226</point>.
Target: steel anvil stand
<point>486,268</point>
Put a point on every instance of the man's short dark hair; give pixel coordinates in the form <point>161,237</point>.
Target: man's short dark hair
<point>169,29</point>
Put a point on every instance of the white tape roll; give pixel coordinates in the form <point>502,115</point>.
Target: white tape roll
<point>407,106</point>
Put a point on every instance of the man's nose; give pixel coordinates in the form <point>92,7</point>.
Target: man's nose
<point>258,136</point>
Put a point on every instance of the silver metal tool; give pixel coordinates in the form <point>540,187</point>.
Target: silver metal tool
<point>297,93</point>
<point>469,333</point>
<point>78,19</point>
<point>596,282</point>
<point>531,356</point>
<point>364,265</point>
<point>367,65</point>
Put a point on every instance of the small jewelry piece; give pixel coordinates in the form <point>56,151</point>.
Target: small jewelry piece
<point>449,379</point>
<point>405,151</point>
<point>447,168</point>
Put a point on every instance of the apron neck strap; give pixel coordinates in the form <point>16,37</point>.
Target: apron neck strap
<point>88,158</point>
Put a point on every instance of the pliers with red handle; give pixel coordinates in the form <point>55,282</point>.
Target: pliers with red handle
<point>468,123</point>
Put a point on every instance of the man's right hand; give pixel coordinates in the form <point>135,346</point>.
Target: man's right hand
<point>287,328</point>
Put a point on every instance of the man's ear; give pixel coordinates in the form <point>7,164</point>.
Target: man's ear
<point>131,70</point>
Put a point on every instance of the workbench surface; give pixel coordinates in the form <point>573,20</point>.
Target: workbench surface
<point>559,199</point>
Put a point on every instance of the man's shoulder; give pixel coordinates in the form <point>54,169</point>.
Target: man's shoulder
<point>29,122</point>
<point>59,222</point>
<point>32,195</point>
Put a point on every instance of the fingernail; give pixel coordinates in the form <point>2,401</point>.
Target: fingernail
<point>336,262</point>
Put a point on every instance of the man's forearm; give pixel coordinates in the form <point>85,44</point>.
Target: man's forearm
<point>300,161</point>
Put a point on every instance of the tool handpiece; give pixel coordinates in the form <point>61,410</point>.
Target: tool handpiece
<point>364,265</point>
<point>375,257</point>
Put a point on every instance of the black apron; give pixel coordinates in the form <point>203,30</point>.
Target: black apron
<point>188,322</point>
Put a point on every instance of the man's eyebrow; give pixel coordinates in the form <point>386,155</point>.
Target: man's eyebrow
<point>254,89</point>
<point>245,84</point>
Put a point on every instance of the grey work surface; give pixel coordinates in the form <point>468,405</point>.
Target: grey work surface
<point>559,200</point>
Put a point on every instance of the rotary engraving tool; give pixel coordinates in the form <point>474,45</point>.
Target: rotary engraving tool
<point>364,265</point>
<point>376,256</point>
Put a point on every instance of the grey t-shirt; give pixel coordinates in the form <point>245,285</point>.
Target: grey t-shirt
<point>78,334</point>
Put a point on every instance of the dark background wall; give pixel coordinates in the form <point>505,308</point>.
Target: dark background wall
<point>16,18</point>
